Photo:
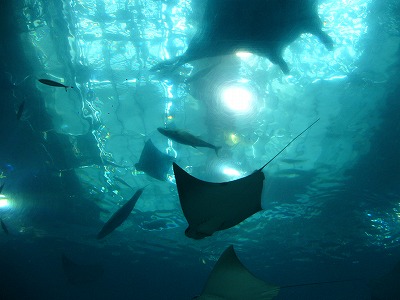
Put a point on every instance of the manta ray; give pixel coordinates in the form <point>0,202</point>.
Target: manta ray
<point>209,207</point>
<point>262,27</point>
<point>231,280</point>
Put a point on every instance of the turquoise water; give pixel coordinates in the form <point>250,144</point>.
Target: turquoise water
<point>330,200</point>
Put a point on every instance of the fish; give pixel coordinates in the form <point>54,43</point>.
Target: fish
<point>264,28</point>
<point>123,182</point>
<point>209,207</point>
<point>186,138</point>
<point>120,215</point>
<point>20,110</point>
<point>230,279</point>
<point>78,274</point>
<point>54,83</point>
<point>153,162</point>
<point>5,229</point>
<point>1,187</point>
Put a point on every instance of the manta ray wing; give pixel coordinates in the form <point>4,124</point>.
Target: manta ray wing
<point>231,280</point>
<point>209,207</point>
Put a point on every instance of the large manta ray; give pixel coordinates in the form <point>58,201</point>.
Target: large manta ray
<point>209,207</point>
<point>263,27</point>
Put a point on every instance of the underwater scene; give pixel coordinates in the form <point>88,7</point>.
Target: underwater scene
<point>193,149</point>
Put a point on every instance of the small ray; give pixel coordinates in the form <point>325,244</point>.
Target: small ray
<point>153,162</point>
<point>231,280</point>
<point>262,27</point>
<point>55,84</point>
<point>209,207</point>
<point>5,229</point>
<point>119,216</point>
<point>184,137</point>
<point>81,274</point>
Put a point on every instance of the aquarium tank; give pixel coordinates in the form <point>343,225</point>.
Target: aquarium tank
<point>142,141</point>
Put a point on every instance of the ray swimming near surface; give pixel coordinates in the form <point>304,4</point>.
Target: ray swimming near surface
<point>78,274</point>
<point>209,207</point>
<point>186,138</point>
<point>120,215</point>
<point>153,162</point>
<point>55,84</point>
<point>264,28</point>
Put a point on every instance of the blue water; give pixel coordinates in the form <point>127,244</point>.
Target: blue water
<point>331,201</point>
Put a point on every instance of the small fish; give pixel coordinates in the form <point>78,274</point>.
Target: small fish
<point>20,110</point>
<point>1,187</point>
<point>4,226</point>
<point>119,216</point>
<point>186,138</point>
<point>54,83</point>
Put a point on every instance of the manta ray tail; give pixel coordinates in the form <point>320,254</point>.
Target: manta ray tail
<point>289,144</point>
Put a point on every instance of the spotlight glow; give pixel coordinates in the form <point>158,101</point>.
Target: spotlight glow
<point>3,201</point>
<point>243,54</point>
<point>237,98</point>
<point>230,172</point>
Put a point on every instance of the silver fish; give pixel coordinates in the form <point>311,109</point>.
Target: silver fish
<point>5,229</point>
<point>186,138</point>
<point>54,83</point>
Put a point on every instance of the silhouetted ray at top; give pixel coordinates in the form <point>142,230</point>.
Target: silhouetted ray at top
<point>209,207</point>
<point>262,27</point>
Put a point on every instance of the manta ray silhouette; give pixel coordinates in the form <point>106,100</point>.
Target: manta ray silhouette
<point>230,279</point>
<point>262,27</point>
<point>154,162</point>
<point>210,207</point>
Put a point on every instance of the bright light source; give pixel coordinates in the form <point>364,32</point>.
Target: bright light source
<point>3,201</point>
<point>243,54</point>
<point>237,98</point>
<point>230,171</point>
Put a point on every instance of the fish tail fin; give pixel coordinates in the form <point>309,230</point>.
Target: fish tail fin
<point>217,150</point>
<point>169,65</point>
